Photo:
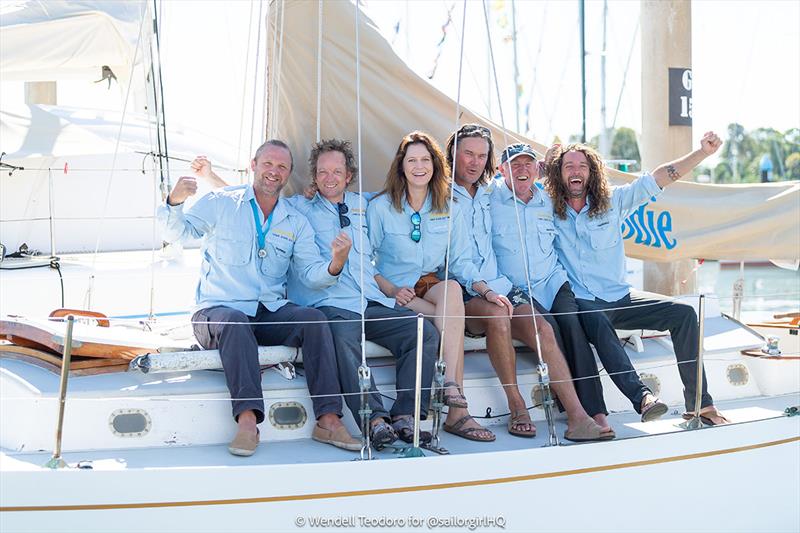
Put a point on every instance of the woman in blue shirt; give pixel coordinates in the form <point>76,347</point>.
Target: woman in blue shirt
<point>409,222</point>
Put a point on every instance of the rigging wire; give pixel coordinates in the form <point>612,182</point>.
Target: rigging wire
<point>114,159</point>
<point>543,373</point>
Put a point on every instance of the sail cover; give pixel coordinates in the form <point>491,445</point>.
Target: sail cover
<point>688,221</point>
<point>55,40</point>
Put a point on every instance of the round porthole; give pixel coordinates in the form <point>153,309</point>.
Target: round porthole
<point>287,415</point>
<point>652,382</point>
<point>738,374</point>
<point>129,423</point>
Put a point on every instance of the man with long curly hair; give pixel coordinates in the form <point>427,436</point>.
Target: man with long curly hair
<point>588,216</point>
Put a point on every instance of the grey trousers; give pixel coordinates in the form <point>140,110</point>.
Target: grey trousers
<point>238,348</point>
<point>645,310</point>
<point>399,336</point>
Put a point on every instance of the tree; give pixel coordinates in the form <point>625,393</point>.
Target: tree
<point>625,146</point>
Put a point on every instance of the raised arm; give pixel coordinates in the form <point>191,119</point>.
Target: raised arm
<point>202,167</point>
<point>671,172</point>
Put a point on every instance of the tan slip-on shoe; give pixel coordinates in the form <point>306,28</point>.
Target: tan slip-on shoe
<point>244,444</point>
<point>338,437</point>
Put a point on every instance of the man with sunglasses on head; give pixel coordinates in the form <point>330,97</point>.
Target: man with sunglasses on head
<point>251,238</point>
<point>331,210</point>
<point>522,213</point>
<point>470,153</point>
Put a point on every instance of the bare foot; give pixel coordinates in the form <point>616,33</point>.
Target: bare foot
<point>455,414</point>
<point>602,421</point>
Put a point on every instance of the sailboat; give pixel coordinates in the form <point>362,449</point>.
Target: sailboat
<point>144,433</point>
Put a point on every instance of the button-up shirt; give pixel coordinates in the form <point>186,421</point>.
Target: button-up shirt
<point>477,214</point>
<point>592,250</point>
<point>401,260</point>
<point>324,218</point>
<point>231,272</point>
<point>536,220</point>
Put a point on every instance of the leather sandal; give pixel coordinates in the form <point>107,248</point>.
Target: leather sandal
<point>588,430</point>
<point>708,416</point>
<point>468,433</point>
<point>455,400</point>
<point>381,434</point>
<point>404,427</point>
<point>654,409</point>
<point>520,417</point>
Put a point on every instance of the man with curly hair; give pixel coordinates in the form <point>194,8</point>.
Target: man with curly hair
<point>589,213</point>
<point>333,209</point>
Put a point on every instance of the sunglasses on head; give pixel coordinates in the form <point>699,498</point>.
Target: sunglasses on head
<point>468,129</point>
<point>416,234</point>
<point>343,209</point>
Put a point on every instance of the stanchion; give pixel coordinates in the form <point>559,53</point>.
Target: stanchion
<point>56,461</point>
<point>695,422</point>
<point>415,450</point>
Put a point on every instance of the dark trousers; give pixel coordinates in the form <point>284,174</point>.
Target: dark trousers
<point>238,348</point>
<point>399,336</point>
<point>644,310</point>
<point>575,347</point>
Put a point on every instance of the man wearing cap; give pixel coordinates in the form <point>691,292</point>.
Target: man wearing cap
<point>589,213</point>
<point>522,238</point>
<point>470,153</point>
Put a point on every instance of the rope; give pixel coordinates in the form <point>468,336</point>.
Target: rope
<point>244,86</point>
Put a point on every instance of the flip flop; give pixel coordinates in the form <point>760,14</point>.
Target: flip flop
<point>455,400</point>
<point>654,410</point>
<point>519,417</point>
<point>468,433</point>
<point>704,416</point>
<point>588,430</point>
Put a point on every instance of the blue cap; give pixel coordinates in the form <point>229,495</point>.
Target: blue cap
<point>515,150</point>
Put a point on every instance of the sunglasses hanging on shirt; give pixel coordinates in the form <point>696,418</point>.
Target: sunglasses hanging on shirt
<point>343,210</point>
<point>416,234</point>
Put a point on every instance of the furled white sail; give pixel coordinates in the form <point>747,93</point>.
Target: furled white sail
<point>688,221</point>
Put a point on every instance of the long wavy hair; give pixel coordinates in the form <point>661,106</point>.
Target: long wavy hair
<point>439,186</point>
<point>599,189</point>
<point>465,132</point>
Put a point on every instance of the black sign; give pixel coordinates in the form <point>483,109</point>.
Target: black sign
<point>680,97</point>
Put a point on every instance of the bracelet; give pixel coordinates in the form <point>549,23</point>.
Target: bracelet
<point>484,293</point>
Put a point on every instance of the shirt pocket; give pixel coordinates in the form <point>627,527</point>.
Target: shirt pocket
<point>229,248</point>
<point>547,233</point>
<point>603,234</point>
<point>505,239</point>
<point>397,246</point>
<point>276,263</point>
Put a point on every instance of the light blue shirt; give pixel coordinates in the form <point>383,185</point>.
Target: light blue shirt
<point>478,217</point>
<point>231,272</point>
<point>592,250</point>
<point>324,218</point>
<point>536,219</point>
<point>403,261</point>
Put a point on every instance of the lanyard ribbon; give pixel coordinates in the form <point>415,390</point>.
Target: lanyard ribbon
<point>261,232</point>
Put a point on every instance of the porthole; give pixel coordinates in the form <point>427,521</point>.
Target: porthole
<point>738,375</point>
<point>287,415</point>
<point>652,382</point>
<point>130,423</point>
